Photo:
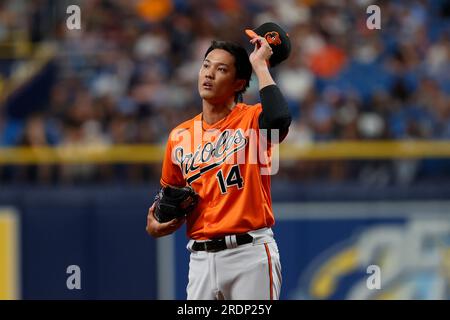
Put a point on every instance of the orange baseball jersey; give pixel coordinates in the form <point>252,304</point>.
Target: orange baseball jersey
<point>223,163</point>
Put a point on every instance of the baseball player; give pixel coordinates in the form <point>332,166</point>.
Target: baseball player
<point>233,253</point>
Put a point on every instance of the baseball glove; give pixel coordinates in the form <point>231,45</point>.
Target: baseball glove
<point>173,202</point>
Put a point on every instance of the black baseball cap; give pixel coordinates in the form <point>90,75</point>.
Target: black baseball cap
<point>277,38</point>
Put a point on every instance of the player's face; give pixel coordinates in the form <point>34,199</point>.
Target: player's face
<point>217,81</point>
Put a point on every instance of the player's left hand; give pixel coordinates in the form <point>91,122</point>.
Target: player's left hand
<point>261,54</point>
<point>157,229</point>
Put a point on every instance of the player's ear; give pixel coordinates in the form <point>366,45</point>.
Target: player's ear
<point>239,85</point>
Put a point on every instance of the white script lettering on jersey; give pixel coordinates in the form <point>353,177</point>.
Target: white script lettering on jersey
<point>228,143</point>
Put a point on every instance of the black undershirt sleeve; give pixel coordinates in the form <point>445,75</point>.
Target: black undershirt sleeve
<point>275,112</point>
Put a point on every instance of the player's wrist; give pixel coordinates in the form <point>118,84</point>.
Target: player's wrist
<point>260,67</point>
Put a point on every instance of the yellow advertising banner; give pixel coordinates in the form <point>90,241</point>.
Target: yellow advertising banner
<point>9,254</point>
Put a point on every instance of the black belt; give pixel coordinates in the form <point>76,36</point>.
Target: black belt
<point>219,244</point>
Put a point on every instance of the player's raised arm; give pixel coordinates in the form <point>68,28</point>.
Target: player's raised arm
<point>275,114</point>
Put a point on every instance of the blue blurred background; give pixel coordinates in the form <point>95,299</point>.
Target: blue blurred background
<point>129,75</point>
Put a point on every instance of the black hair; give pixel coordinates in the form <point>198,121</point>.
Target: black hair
<point>241,62</point>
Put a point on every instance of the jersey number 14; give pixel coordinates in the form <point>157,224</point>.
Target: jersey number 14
<point>233,178</point>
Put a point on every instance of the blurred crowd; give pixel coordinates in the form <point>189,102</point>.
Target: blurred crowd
<point>130,75</point>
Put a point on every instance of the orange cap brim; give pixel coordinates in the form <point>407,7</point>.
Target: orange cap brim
<point>252,34</point>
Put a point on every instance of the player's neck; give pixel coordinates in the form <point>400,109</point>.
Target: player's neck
<point>213,113</point>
